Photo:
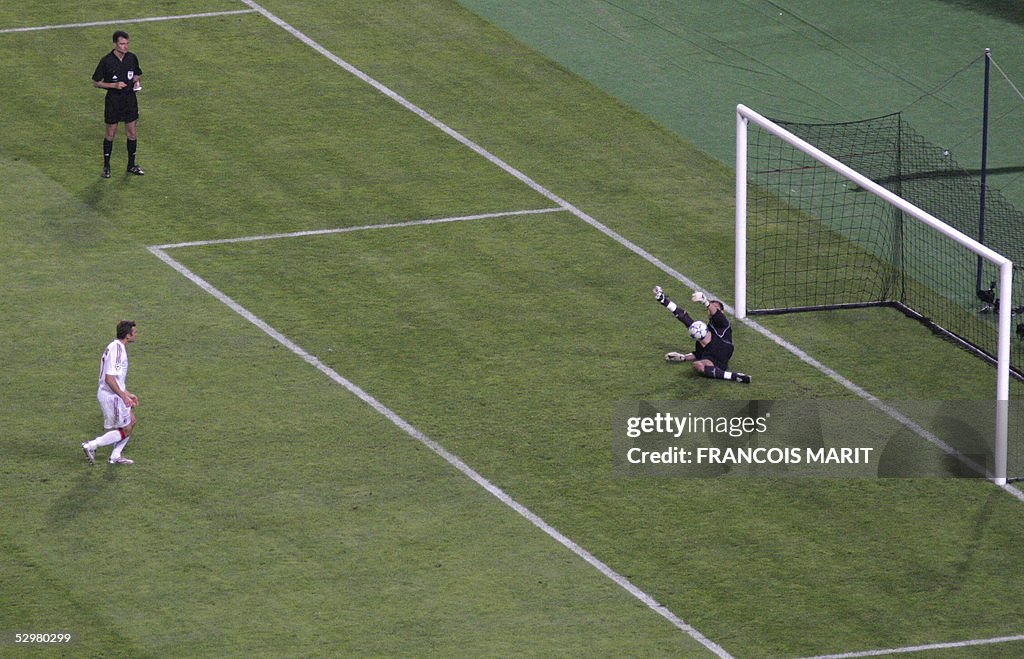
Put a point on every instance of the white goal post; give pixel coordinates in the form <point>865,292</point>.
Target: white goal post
<point>744,116</point>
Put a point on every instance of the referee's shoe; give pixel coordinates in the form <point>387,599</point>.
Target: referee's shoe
<point>136,170</point>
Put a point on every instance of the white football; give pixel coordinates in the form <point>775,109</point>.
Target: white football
<point>698,330</point>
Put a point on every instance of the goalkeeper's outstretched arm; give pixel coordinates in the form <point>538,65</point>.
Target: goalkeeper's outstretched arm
<point>676,310</point>
<point>715,313</point>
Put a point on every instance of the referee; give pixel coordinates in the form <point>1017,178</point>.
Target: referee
<point>119,73</point>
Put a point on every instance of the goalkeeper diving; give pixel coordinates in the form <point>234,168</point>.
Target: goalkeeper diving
<point>713,347</point>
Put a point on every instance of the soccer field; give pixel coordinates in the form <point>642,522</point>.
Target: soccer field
<point>391,271</point>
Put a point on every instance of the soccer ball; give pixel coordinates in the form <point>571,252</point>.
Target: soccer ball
<point>698,330</point>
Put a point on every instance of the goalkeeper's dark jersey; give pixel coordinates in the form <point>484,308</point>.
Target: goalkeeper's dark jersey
<point>719,349</point>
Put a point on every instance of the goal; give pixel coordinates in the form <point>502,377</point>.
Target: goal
<point>813,233</point>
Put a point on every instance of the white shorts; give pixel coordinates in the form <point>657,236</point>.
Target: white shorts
<point>115,413</point>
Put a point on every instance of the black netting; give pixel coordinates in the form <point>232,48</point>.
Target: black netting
<point>817,240</point>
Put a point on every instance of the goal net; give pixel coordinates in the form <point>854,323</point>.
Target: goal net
<point>825,220</point>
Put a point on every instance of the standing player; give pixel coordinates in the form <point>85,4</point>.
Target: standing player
<point>116,402</point>
<point>119,73</point>
<point>714,346</point>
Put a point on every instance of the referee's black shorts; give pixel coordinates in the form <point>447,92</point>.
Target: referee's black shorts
<point>120,108</point>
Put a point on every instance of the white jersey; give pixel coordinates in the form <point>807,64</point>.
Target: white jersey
<point>114,362</point>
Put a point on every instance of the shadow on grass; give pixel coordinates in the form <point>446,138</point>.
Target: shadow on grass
<point>88,495</point>
<point>1009,10</point>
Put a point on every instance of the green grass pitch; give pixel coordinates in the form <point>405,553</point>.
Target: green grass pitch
<point>272,513</point>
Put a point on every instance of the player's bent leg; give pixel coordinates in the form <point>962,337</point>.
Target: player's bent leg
<point>716,372</point>
<point>713,372</point>
<point>126,434</point>
<point>115,456</point>
<point>111,436</point>
<point>720,373</point>
<point>708,369</point>
<point>106,439</point>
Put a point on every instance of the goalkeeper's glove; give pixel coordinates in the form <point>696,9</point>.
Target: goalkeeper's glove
<point>700,297</point>
<point>660,296</point>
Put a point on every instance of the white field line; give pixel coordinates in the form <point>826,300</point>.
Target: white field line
<point>636,249</point>
<point>365,227</point>
<point>126,21</point>
<point>922,648</point>
<point>452,459</point>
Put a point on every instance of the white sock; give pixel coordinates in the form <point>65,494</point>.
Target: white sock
<point>116,453</point>
<point>106,438</point>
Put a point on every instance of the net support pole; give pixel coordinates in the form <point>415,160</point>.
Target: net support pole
<point>740,304</point>
<point>984,161</point>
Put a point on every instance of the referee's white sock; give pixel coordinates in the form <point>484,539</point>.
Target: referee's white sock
<point>109,437</point>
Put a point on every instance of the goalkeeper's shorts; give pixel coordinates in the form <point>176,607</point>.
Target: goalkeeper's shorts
<point>718,351</point>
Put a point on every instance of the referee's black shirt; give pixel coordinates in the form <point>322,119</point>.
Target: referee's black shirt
<point>111,69</point>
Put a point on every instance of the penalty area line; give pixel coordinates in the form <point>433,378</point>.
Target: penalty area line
<point>447,456</point>
<point>126,21</point>
<point>365,227</point>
